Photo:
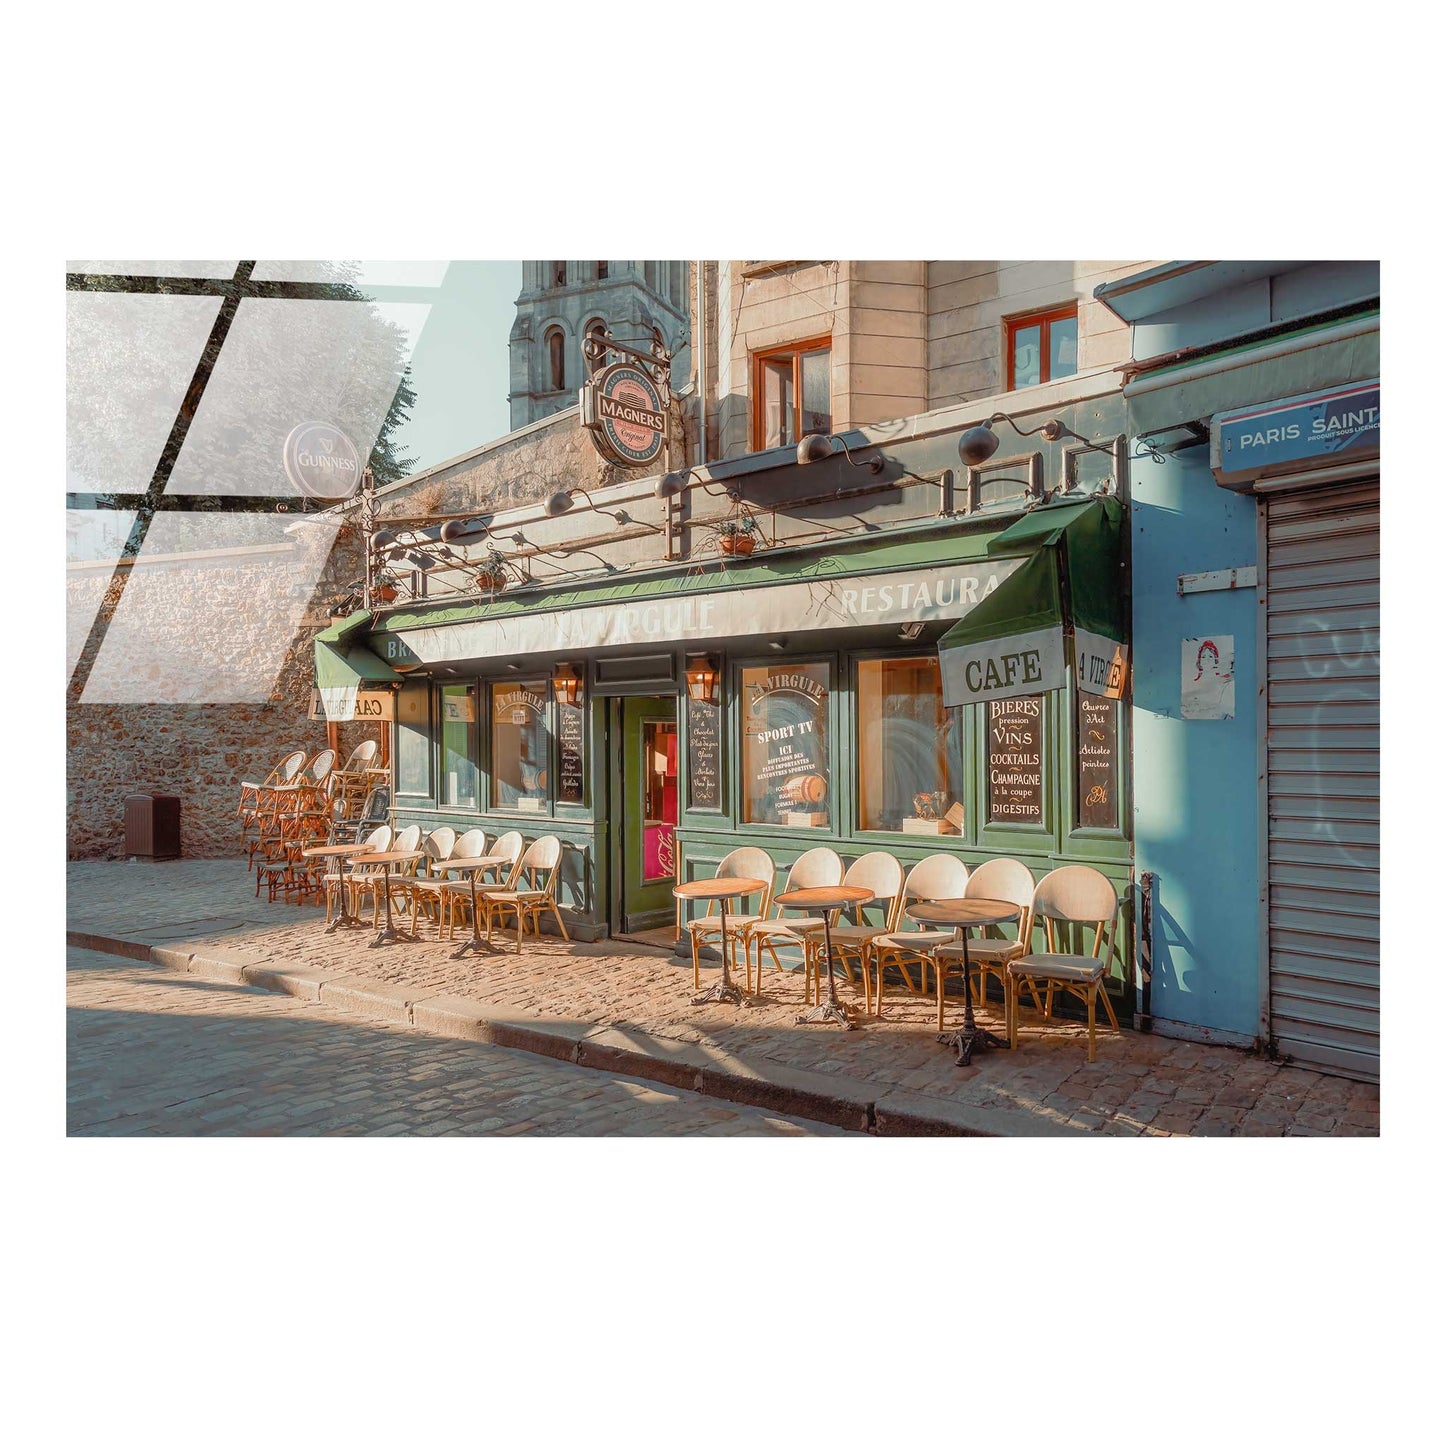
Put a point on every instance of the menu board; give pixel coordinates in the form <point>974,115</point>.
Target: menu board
<point>1016,760</point>
<point>704,755</point>
<point>570,751</point>
<point>1098,760</point>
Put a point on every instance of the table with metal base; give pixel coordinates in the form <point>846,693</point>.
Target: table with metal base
<point>396,855</point>
<point>825,900</point>
<point>472,866</point>
<point>720,890</point>
<point>341,852</point>
<point>963,914</point>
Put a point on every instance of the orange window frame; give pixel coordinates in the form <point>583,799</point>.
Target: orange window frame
<point>795,350</point>
<point>1043,320</point>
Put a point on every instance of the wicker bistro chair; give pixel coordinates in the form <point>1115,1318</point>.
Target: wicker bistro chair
<point>817,868</point>
<point>1074,895</point>
<point>374,813</point>
<point>537,868</point>
<point>457,894</point>
<point>369,880</point>
<point>377,841</point>
<point>422,891</point>
<point>940,875</point>
<point>707,929</point>
<point>253,793</point>
<point>1011,882</point>
<point>883,873</point>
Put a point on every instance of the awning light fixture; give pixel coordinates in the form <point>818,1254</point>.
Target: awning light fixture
<point>566,684</point>
<point>703,678</point>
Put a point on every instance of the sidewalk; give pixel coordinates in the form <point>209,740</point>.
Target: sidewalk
<point>626,1010</point>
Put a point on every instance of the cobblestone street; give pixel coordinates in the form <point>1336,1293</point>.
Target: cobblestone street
<point>153,1053</point>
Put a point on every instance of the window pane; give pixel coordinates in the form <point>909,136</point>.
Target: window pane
<point>909,749</point>
<point>1063,347</point>
<point>817,404</point>
<point>459,754</point>
<point>413,742</point>
<point>519,746</point>
<point>785,745</point>
<point>1026,356</point>
<point>659,752</point>
<point>777,402</point>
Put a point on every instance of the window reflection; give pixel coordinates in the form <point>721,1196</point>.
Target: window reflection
<point>909,746</point>
<point>519,746</point>
<point>785,745</point>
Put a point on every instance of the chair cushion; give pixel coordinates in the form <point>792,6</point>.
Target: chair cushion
<point>1069,966</point>
<point>923,941</point>
<point>713,922</point>
<point>856,933</point>
<point>511,895</point>
<point>985,950</point>
<point>783,927</point>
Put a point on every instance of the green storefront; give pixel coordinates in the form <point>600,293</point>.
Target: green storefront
<point>791,699</point>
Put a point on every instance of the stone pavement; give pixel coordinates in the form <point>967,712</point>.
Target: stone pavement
<point>627,1010</point>
<point>152,1052</point>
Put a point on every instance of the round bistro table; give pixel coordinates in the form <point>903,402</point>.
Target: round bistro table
<point>473,866</point>
<point>963,914</point>
<point>394,855</point>
<point>341,852</point>
<point>825,900</point>
<point>719,891</point>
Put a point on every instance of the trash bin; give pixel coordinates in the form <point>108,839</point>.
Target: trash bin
<point>152,826</point>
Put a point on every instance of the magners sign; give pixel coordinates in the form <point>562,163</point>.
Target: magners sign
<point>623,411</point>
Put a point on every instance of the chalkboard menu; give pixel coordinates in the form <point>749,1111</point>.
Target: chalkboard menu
<point>704,755</point>
<point>571,750</point>
<point>1016,760</point>
<point>1098,762</point>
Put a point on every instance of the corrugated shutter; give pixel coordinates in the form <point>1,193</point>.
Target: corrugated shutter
<point>1323,583</point>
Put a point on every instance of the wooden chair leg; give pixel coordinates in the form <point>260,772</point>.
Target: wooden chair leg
<point>1108,1007</point>
<point>556,913</point>
<point>696,967</point>
<point>1091,1025</point>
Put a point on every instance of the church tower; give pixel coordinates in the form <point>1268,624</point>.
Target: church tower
<point>562,301</point>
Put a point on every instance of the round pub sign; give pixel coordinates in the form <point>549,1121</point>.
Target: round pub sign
<point>321,461</point>
<point>622,407</point>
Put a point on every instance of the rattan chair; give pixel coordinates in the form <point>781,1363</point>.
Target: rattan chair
<point>537,868</point>
<point>457,894</point>
<point>251,793</point>
<point>707,928</point>
<point>1009,881</point>
<point>369,881</point>
<point>883,873</point>
<point>422,891</point>
<point>1077,896</point>
<point>353,780</point>
<point>377,841</point>
<point>940,875</point>
<point>817,868</point>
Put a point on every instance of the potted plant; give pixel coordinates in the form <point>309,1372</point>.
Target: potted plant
<point>384,589</point>
<point>491,575</point>
<point>737,536</point>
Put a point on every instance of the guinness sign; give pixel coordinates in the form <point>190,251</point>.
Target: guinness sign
<point>321,461</point>
<point>623,410</point>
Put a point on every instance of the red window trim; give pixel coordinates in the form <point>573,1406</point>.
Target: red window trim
<point>794,349</point>
<point>1043,320</point>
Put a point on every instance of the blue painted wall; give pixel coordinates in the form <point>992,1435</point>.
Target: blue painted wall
<point>1195,783</point>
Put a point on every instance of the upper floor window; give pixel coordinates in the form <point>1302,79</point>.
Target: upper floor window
<point>1042,346</point>
<point>557,270</point>
<point>601,270</point>
<point>556,360</point>
<point>792,393</point>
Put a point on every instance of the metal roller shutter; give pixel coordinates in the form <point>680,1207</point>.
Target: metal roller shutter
<point>1323,750</point>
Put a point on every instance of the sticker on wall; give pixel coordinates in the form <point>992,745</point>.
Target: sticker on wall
<point>1207,678</point>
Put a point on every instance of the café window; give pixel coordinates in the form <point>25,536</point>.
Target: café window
<point>910,747</point>
<point>786,778</point>
<point>1042,346</point>
<point>792,394</point>
<point>459,746</point>
<point>520,746</point>
<point>413,741</point>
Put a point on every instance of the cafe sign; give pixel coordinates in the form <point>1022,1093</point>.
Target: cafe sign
<point>624,414</point>
<point>351,704</point>
<point>321,461</point>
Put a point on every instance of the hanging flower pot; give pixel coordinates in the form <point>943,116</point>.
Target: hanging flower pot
<point>385,591</point>
<point>488,584</point>
<point>735,544</point>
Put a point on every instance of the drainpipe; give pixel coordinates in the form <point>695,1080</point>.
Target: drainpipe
<point>699,351</point>
<point>1144,953</point>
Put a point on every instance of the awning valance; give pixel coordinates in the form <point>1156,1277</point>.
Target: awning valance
<point>1073,581</point>
<point>341,670</point>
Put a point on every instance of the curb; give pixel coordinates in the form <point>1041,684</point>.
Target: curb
<point>844,1103</point>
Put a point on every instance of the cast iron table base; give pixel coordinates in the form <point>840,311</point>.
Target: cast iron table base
<point>831,1012</point>
<point>970,1036</point>
<point>726,991</point>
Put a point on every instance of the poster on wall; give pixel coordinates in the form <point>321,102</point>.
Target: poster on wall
<point>704,755</point>
<point>1016,760</point>
<point>1206,680</point>
<point>1098,762</point>
<point>785,733</point>
<point>571,749</point>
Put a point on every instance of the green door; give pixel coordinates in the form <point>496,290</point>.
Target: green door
<point>647,782</point>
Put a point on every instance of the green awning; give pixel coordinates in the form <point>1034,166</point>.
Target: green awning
<point>341,670</point>
<point>1074,583</point>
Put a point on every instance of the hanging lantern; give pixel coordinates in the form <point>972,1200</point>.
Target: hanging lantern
<point>702,679</point>
<point>566,684</point>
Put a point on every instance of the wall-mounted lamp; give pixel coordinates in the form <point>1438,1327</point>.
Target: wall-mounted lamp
<point>561,502</point>
<point>566,684</point>
<point>671,484</point>
<point>817,448</point>
<point>979,442</point>
<point>465,529</point>
<point>703,678</point>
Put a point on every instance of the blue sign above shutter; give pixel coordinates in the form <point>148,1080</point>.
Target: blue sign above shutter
<point>1327,427</point>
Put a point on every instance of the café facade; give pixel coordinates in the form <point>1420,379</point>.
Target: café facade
<point>882,645</point>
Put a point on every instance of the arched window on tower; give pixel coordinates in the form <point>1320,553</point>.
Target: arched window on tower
<point>558,272</point>
<point>556,360</point>
<point>601,270</point>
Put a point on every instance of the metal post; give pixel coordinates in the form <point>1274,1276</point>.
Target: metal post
<point>368,530</point>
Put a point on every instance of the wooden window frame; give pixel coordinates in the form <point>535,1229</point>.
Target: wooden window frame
<point>1044,321</point>
<point>794,349</point>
